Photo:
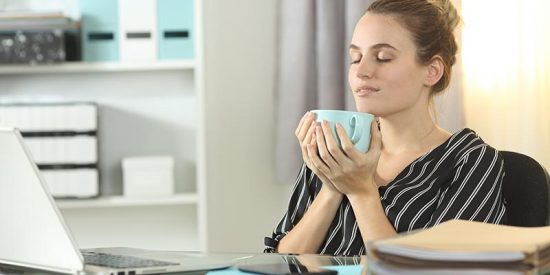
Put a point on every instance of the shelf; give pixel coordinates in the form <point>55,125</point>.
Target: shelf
<point>121,201</point>
<point>83,67</point>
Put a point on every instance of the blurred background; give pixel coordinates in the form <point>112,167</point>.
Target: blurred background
<point>169,124</point>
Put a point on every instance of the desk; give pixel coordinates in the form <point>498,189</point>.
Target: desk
<point>344,265</point>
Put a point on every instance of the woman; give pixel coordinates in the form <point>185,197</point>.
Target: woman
<point>415,174</point>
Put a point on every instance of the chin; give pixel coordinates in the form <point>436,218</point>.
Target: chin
<point>365,109</point>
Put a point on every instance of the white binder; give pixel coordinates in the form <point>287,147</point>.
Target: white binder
<point>63,150</point>
<point>50,117</point>
<point>79,183</point>
<point>138,30</point>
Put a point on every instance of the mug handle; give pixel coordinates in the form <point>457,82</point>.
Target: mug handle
<point>356,126</point>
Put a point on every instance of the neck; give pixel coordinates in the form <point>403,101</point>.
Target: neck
<point>410,132</point>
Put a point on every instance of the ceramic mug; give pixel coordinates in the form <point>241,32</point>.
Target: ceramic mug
<point>357,125</point>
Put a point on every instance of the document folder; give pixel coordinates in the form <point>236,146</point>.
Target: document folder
<point>469,243</point>
<point>99,30</point>
<point>175,29</point>
<point>138,29</point>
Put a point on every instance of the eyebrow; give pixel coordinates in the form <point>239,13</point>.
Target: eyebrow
<point>375,46</point>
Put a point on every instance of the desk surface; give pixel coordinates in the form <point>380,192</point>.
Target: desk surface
<point>344,265</point>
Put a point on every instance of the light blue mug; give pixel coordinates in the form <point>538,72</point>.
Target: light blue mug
<point>357,125</point>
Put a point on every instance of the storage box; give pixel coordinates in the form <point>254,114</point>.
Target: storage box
<point>32,46</point>
<point>148,176</point>
<point>62,138</point>
<point>137,23</point>
<point>72,183</point>
<point>175,29</point>
<point>69,149</point>
<point>100,37</point>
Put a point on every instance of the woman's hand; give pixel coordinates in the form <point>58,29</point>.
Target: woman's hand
<point>305,132</point>
<point>349,170</point>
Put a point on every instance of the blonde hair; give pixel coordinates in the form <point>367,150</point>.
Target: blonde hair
<point>431,24</point>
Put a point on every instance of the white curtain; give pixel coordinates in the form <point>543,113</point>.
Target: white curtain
<point>506,57</point>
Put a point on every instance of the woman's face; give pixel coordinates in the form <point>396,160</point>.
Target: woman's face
<point>384,75</point>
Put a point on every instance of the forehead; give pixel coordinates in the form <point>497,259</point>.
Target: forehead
<point>375,28</point>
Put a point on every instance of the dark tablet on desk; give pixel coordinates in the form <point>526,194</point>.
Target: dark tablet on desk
<point>285,269</point>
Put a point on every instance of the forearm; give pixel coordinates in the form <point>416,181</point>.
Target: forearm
<point>371,219</point>
<point>308,235</point>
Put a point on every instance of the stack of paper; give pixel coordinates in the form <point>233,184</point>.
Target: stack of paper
<point>459,243</point>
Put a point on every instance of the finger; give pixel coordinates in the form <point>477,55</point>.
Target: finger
<point>297,131</point>
<point>307,140</point>
<point>306,125</point>
<point>324,151</point>
<point>331,143</point>
<point>316,161</point>
<point>310,132</point>
<point>347,145</point>
<point>314,143</point>
<point>376,139</point>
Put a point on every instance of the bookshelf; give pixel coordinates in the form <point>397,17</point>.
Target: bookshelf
<point>121,201</point>
<point>200,114</point>
<point>145,108</point>
<point>88,67</point>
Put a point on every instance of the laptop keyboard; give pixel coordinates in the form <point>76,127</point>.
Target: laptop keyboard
<point>120,261</point>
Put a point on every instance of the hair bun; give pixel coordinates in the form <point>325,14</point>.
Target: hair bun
<point>449,11</point>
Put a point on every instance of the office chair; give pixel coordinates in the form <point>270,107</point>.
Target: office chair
<point>526,189</point>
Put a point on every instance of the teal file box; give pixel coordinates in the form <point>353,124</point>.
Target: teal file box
<point>176,31</point>
<point>99,30</point>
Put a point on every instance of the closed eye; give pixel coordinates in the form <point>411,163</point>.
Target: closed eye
<point>383,60</point>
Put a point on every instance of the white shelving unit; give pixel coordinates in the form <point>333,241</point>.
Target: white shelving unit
<point>121,201</point>
<point>130,104</point>
<point>146,108</point>
<point>84,67</point>
<point>212,103</point>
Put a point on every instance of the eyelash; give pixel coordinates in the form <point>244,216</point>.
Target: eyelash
<point>383,60</point>
<point>377,60</point>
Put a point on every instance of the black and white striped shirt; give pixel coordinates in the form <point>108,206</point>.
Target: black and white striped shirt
<point>460,179</point>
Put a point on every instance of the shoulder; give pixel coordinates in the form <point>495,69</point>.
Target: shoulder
<point>469,146</point>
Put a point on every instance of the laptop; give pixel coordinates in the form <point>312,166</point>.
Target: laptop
<point>34,235</point>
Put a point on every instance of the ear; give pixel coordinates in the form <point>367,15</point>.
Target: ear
<point>434,71</point>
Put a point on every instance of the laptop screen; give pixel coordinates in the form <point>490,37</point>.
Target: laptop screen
<point>32,231</point>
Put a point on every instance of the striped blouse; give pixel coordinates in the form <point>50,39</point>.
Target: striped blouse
<point>459,179</point>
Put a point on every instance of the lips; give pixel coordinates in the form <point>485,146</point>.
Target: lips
<point>366,90</point>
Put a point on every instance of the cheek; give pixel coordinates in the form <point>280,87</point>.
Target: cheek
<point>403,80</point>
<point>351,76</point>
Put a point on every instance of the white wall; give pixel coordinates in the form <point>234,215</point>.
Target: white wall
<point>245,201</point>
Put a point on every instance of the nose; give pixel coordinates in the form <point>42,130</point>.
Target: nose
<point>364,69</point>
